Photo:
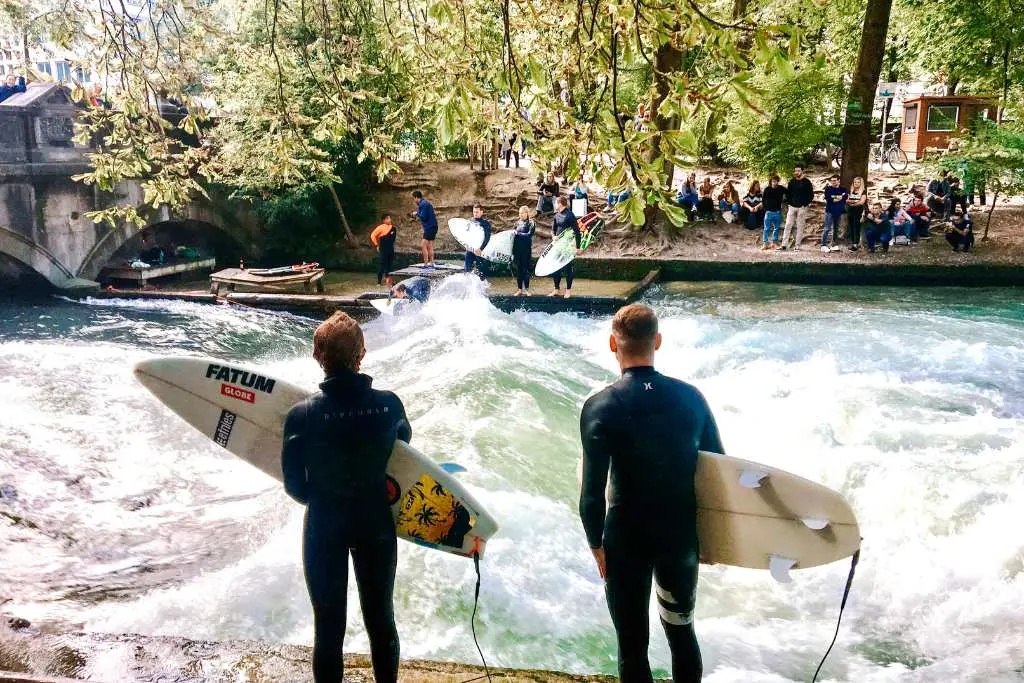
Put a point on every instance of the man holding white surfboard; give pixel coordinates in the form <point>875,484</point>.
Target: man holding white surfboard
<point>646,429</point>
<point>564,220</point>
<point>344,491</point>
<point>474,258</point>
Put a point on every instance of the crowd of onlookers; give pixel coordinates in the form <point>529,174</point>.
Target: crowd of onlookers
<point>848,213</point>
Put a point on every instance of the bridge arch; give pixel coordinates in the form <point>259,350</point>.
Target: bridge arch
<point>35,257</point>
<point>229,229</point>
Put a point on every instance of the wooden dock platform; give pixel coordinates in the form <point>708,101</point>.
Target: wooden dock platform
<point>173,267</point>
<point>230,278</point>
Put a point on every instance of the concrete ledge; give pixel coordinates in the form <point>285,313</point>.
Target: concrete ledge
<point>981,274</point>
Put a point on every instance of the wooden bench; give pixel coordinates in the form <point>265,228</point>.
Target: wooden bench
<point>230,278</point>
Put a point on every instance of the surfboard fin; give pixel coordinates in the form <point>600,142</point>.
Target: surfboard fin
<point>779,568</point>
<point>751,479</point>
<point>452,468</point>
<point>815,523</point>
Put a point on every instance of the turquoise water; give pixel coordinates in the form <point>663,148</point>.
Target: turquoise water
<point>909,401</point>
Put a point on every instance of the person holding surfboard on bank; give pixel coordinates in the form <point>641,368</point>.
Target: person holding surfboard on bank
<point>474,260</point>
<point>383,238</point>
<point>563,220</point>
<point>646,429</point>
<point>336,448</point>
<point>522,250</point>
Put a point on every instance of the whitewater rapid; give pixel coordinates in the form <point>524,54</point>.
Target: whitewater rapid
<point>911,403</point>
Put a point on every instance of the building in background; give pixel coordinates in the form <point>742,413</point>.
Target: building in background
<point>46,59</point>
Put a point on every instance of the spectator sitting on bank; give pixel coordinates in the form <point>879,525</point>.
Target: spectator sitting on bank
<point>151,252</point>
<point>617,197</point>
<point>12,86</point>
<point>920,215</point>
<point>773,196</point>
<point>752,207</point>
<point>901,222</point>
<point>546,195</point>
<point>688,197</point>
<point>856,202</point>
<point>876,228</point>
<point>939,200</point>
<point>705,204</point>
<point>729,201</point>
<point>835,208</point>
<point>957,196</point>
<point>960,232</point>
<point>580,191</point>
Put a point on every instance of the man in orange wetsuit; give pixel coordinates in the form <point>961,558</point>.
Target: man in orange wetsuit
<point>383,238</point>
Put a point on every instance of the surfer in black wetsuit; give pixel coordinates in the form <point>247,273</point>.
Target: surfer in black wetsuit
<point>336,447</point>
<point>522,250</point>
<point>646,428</point>
<point>563,220</point>
<point>474,261</point>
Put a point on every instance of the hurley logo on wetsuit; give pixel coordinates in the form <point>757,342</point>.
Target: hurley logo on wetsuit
<point>222,373</point>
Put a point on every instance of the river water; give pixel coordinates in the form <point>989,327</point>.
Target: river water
<point>117,518</point>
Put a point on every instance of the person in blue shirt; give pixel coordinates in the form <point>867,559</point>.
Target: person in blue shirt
<point>688,197</point>
<point>835,209</point>
<point>12,86</point>
<point>474,261</point>
<point>425,212</point>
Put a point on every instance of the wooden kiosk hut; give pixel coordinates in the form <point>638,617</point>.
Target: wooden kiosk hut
<point>929,121</point>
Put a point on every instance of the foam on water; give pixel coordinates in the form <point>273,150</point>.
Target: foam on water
<point>912,406</point>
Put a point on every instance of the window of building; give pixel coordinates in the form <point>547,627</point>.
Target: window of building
<point>942,118</point>
<point>910,119</point>
<point>45,68</point>
<point>63,72</point>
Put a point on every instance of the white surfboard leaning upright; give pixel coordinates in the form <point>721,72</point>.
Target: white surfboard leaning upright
<point>469,234</point>
<point>243,409</point>
<point>760,517</point>
<point>499,247</point>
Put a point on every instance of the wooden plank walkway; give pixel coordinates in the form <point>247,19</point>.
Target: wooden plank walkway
<point>165,270</point>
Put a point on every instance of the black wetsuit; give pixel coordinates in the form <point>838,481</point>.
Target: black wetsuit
<point>522,252</point>
<point>336,447</point>
<point>386,257</point>
<point>565,220</point>
<point>647,428</point>
<point>479,262</point>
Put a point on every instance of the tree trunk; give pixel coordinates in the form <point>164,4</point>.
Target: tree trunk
<point>667,60</point>
<point>1006,85</point>
<point>951,85</point>
<point>26,59</point>
<point>857,127</point>
<point>349,237</point>
<point>988,221</point>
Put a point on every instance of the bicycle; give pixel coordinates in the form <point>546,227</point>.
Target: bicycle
<point>888,151</point>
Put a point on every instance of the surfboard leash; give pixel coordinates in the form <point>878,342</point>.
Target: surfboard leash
<point>472,619</point>
<point>842,606</point>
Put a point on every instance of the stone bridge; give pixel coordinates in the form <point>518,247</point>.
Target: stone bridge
<point>44,228</point>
